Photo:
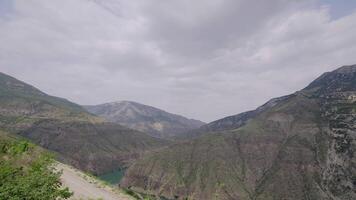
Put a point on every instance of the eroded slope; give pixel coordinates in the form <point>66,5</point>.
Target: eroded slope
<point>300,148</point>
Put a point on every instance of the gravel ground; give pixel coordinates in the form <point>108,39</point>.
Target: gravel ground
<point>86,187</point>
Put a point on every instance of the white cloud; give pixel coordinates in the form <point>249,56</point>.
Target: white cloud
<point>203,59</point>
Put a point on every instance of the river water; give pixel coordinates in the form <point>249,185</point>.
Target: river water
<point>113,177</point>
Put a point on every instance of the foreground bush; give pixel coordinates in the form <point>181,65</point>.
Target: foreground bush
<point>27,173</point>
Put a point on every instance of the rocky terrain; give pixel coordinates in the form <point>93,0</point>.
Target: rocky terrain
<point>78,137</point>
<point>156,122</point>
<point>301,146</point>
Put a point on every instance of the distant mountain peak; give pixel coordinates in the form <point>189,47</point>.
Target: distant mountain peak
<point>76,136</point>
<point>121,102</point>
<point>151,120</point>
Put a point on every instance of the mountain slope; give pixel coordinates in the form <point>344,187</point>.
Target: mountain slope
<point>236,121</point>
<point>302,147</point>
<point>22,178</point>
<point>79,138</point>
<point>26,171</point>
<point>232,122</point>
<point>153,121</point>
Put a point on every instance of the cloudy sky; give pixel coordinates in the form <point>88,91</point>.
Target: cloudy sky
<point>204,59</point>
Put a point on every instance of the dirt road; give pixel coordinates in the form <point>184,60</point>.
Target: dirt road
<point>86,187</point>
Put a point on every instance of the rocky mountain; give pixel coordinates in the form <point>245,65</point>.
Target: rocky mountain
<point>78,137</point>
<point>156,122</point>
<point>301,146</point>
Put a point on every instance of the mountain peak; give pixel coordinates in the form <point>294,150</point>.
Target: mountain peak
<point>347,69</point>
<point>340,80</point>
<point>77,137</point>
<point>121,102</point>
<point>151,120</point>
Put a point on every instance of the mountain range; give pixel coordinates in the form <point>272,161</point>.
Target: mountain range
<point>300,146</point>
<point>79,138</point>
<point>153,121</point>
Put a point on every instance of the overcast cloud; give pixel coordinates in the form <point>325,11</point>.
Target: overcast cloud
<point>204,59</point>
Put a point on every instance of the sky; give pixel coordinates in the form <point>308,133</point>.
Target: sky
<point>204,59</point>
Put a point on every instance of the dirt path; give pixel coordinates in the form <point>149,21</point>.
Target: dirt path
<point>86,187</point>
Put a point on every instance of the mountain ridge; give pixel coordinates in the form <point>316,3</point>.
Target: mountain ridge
<point>78,137</point>
<point>234,121</point>
<point>154,121</point>
<point>311,133</point>
<point>238,120</point>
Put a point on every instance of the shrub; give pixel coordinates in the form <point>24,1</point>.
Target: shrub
<point>26,174</point>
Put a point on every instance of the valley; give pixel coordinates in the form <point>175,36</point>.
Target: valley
<point>177,100</point>
<point>248,156</point>
<point>79,138</point>
<point>113,177</point>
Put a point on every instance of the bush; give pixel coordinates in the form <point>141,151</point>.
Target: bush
<point>26,174</point>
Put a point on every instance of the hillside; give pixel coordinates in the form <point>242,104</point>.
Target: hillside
<point>156,122</point>
<point>26,171</point>
<point>302,147</point>
<point>231,122</point>
<point>78,137</point>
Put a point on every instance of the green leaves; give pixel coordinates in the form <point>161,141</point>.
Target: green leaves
<point>26,174</point>
<point>15,147</point>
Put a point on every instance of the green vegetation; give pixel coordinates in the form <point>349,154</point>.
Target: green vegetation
<point>27,173</point>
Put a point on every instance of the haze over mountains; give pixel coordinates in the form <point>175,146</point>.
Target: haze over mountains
<point>116,94</point>
<point>301,146</point>
<point>156,122</point>
<point>86,141</point>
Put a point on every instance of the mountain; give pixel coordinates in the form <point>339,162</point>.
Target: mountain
<point>156,122</point>
<point>79,138</point>
<point>236,121</point>
<point>231,122</point>
<point>301,146</point>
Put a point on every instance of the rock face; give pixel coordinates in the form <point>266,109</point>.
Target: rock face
<point>78,137</point>
<point>153,121</point>
<point>299,147</point>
